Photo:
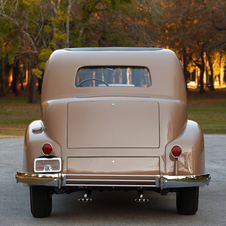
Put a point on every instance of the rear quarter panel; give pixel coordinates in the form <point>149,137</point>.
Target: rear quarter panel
<point>192,159</point>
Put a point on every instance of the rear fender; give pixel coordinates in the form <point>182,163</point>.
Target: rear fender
<point>192,159</point>
<point>35,137</point>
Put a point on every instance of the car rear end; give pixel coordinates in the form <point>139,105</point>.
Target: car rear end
<point>114,119</point>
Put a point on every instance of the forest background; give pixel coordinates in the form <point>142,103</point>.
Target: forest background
<point>30,30</point>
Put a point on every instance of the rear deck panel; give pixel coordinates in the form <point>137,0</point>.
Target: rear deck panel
<point>113,124</point>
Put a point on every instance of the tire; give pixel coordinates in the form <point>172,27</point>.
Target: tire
<point>41,201</point>
<point>187,200</point>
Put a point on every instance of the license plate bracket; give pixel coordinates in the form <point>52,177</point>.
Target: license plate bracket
<point>47,165</point>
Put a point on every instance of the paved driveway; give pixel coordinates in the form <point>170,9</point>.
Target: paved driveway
<point>112,208</point>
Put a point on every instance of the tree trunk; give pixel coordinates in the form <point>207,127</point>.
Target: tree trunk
<point>2,79</point>
<point>211,87</point>
<point>202,90</point>
<point>202,66</point>
<point>32,96</point>
<point>40,85</point>
<point>16,78</point>
<point>21,80</point>
<point>221,79</point>
<point>70,3</point>
<point>68,24</point>
<point>185,66</point>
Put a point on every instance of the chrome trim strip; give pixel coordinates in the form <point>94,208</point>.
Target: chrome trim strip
<point>108,175</point>
<point>111,185</point>
<point>107,180</point>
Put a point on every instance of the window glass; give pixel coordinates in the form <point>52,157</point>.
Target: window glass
<point>113,76</point>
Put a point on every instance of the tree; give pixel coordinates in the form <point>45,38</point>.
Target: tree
<point>218,18</point>
<point>190,31</point>
<point>26,17</point>
<point>32,29</point>
<point>121,23</point>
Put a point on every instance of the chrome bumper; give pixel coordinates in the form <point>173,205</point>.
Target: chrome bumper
<point>109,180</point>
<point>165,182</point>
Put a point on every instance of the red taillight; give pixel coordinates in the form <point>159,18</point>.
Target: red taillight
<point>47,149</point>
<point>176,151</point>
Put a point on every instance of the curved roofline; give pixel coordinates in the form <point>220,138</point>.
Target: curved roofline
<point>113,49</point>
<point>163,64</point>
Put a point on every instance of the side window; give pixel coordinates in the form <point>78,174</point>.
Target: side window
<point>113,76</point>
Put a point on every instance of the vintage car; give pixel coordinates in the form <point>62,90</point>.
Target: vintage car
<point>113,119</point>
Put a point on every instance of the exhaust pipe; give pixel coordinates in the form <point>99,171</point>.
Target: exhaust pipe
<point>141,198</point>
<point>86,197</point>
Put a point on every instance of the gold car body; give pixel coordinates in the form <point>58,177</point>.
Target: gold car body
<point>114,136</point>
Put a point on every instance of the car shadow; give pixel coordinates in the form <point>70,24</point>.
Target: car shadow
<point>114,206</point>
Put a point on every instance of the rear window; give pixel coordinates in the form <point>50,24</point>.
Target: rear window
<point>113,76</point>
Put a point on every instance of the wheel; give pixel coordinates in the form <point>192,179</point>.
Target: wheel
<point>187,200</point>
<point>41,201</point>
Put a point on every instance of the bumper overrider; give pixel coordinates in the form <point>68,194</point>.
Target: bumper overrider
<point>109,180</point>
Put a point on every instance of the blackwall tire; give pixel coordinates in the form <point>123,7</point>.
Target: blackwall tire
<point>187,200</point>
<point>41,201</point>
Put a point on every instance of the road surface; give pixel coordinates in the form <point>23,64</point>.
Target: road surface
<point>113,208</point>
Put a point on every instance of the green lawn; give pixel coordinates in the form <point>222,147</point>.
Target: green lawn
<point>208,109</point>
<point>16,114</point>
<point>212,119</point>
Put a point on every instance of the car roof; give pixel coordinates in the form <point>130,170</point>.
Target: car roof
<point>165,69</point>
<point>114,49</point>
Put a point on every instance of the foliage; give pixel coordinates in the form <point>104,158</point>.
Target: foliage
<point>43,56</point>
<point>32,29</point>
<point>9,41</point>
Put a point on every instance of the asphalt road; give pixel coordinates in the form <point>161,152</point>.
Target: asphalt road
<point>112,208</point>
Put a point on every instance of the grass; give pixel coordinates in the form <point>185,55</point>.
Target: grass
<point>208,109</point>
<point>16,114</point>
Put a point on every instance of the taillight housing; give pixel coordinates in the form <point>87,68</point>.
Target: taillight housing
<point>47,149</point>
<point>176,151</point>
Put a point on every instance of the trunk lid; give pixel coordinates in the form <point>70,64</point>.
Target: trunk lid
<point>113,124</point>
